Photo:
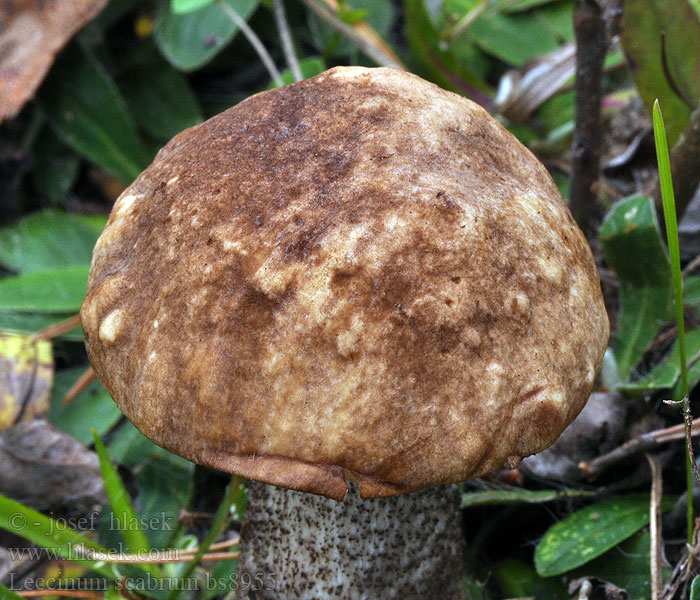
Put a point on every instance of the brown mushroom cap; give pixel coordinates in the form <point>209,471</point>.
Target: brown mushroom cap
<point>356,276</point>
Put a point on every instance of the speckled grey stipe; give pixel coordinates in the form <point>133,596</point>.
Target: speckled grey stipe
<point>407,546</point>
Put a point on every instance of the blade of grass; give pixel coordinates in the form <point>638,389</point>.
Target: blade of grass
<point>669,204</point>
<point>123,509</point>
<point>55,536</point>
<point>221,519</point>
<point>8,594</point>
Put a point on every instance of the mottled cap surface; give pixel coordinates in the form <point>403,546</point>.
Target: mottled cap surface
<point>359,276</point>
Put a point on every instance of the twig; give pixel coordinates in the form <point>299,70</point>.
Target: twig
<point>176,557</point>
<point>688,432</point>
<point>254,41</point>
<point>58,328</point>
<point>685,570</point>
<point>643,443</point>
<point>214,553</point>
<point>60,593</point>
<point>360,34</point>
<point>685,165</point>
<point>286,39</point>
<point>217,546</point>
<point>83,381</point>
<point>591,45</point>
<point>691,266</point>
<point>655,528</point>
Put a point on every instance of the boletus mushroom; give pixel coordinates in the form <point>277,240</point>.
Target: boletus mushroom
<point>358,287</point>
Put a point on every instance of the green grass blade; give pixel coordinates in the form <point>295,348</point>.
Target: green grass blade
<point>669,204</point>
<point>8,594</point>
<point>232,497</point>
<point>124,514</point>
<point>55,536</point>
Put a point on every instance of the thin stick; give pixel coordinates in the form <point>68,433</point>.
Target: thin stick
<point>688,432</point>
<point>643,443</point>
<point>59,593</point>
<point>254,41</point>
<point>217,546</point>
<point>165,556</point>
<point>58,328</point>
<point>591,45</point>
<point>692,265</point>
<point>360,34</point>
<point>83,381</point>
<point>655,527</point>
<point>178,557</point>
<point>286,39</point>
<point>214,547</point>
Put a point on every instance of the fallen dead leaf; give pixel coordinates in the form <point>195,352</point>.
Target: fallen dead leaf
<point>26,374</point>
<point>45,468</point>
<point>31,34</point>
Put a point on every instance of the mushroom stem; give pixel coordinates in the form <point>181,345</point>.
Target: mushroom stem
<point>300,545</point>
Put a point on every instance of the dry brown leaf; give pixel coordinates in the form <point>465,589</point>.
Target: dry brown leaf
<point>31,34</point>
<point>45,468</point>
<point>522,91</point>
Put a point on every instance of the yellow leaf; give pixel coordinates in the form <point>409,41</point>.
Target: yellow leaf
<point>26,375</point>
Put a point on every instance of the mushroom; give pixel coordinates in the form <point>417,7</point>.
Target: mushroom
<point>358,287</point>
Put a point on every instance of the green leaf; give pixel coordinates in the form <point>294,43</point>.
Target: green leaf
<point>666,374</point>
<point>309,68</point>
<point>521,496</point>
<point>8,594</point>
<point>591,531</point>
<point>189,41</point>
<point>378,14</point>
<point>51,290</point>
<point>222,580</point>
<point>351,15</point>
<point>47,533</point>
<point>521,37</point>
<point>518,5</point>
<point>644,21</point>
<point>234,496</point>
<point>85,109</point>
<point>165,485</point>
<point>625,565</point>
<point>92,409</point>
<point>56,168</point>
<point>97,222</point>
<point>662,376</point>
<point>691,290</point>
<point>161,101</point>
<point>517,579</point>
<point>630,231</point>
<point>47,239</point>
<point>695,588</point>
<point>185,6</point>
<point>438,63</point>
<point>164,481</point>
<point>126,520</point>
